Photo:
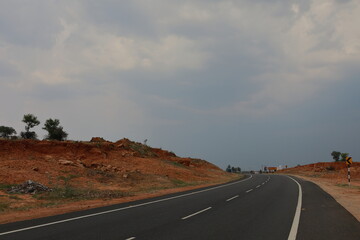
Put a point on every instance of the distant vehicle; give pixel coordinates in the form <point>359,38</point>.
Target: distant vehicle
<point>272,169</point>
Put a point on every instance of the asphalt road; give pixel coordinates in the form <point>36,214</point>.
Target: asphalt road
<point>259,207</point>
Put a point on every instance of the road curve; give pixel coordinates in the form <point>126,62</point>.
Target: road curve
<point>259,207</point>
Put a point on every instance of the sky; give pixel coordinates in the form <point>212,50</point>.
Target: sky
<point>246,83</point>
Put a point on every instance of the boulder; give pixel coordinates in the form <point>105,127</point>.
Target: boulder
<point>29,187</point>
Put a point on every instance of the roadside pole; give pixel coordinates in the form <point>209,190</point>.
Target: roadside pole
<point>348,163</point>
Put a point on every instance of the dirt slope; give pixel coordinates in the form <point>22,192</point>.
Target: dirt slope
<point>330,170</point>
<point>91,174</point>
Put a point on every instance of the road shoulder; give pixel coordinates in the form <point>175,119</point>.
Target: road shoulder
<point>348,197</point>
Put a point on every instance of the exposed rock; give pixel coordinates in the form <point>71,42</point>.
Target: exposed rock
<point>36,169</point>
<point>102,167</point>
<point>123,143</point>
<point>29,187</point>
<point>80,164</point>
<point>66,162</point>
<point>97,139</point>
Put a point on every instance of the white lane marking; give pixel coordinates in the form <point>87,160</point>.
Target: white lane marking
<point>263,183</point>
<point>249,190</point>
<point>295,224</point>
<point>191,215</point>
<point>121,209</point>
<point>130,238</point>
<point>232,198</point>
<point>258,186</point>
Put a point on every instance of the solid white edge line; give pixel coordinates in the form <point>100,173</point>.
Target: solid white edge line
<point>121,209</point>
<point>232,198</point>
<point>296,221</point>
<point>191,215</point>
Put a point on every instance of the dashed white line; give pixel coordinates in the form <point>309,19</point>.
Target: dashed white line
<point>249,190</point>
<point>232,198</point>
<point>191,215</point>
<point>130,238</point>
<point>258,186</point>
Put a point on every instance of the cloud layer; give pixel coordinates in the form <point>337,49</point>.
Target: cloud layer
<point>236,82</point>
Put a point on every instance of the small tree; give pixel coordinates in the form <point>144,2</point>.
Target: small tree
<point>31,121</point>
<point>228,169</point>
<point>336,155</point>
<point>55,131</point>
<point>344,156</point>
<point>6,132</point>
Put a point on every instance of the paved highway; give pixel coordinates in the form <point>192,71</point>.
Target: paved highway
<point>259,207</point>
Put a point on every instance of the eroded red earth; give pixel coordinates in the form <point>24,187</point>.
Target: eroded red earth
<point>134,169</point>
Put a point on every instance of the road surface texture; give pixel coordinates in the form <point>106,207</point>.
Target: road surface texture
<point>258,207</point>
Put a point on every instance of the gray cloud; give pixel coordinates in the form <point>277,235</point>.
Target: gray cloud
<point>122,18</point>
<point>7,70</point>
<point>235,82</point>
<point>32,24</point>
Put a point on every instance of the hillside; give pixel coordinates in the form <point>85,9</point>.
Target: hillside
<point>336,171</point>
<point>90,174</point>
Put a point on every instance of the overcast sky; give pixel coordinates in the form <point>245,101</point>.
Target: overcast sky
<point>246,83</point>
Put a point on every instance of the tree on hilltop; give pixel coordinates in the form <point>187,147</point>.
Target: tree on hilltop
<point>55,131</point>
<point>336,155</point>
<point>344,156</point>
<point>31,121</point>
<point>6,132</point>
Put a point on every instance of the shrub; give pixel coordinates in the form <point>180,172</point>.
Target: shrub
<point>31,121</point>
<point>7,132</point>
<point>55,131</point>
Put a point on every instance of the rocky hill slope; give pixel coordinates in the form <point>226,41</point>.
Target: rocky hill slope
<point>331,170</point>
<point>92,174</point>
